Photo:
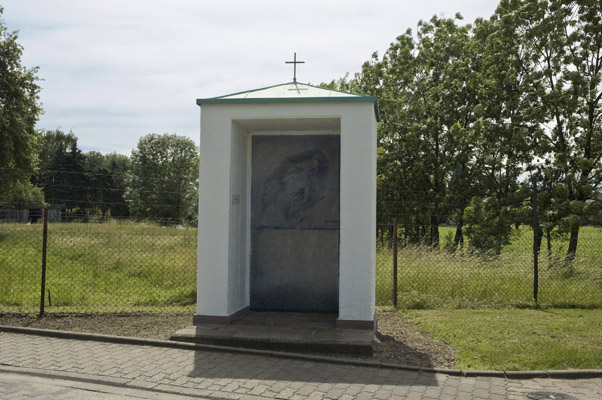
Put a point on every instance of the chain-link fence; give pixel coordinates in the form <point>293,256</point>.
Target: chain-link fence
<point>126,266</point>
<point>110,266</point>
<point>461,276</point>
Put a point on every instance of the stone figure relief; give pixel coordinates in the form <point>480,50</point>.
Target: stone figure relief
<point>295,183</point>
<point>288,190</point>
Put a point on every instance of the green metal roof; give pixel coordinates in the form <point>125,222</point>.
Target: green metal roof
<point>292,92</point>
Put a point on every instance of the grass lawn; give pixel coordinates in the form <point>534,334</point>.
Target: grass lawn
<point>108,267</point>
<point>517,339</point>
<point>128,266</point>
<point>431,279</point>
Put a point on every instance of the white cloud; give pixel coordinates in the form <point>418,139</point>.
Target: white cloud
<point>116,70</point>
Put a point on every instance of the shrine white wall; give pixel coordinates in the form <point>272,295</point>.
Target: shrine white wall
<point>358,213</point>
<point>224,172</point>
<point>214,214</point>
<point>238,265</point>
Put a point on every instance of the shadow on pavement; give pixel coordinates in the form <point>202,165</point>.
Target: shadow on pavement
<point>244,366</point>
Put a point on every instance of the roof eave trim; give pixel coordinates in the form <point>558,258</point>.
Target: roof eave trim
<point>362,99</point>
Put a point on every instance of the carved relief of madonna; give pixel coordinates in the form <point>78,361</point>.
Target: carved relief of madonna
<point>289,188</point>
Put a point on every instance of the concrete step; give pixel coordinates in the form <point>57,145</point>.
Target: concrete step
<point>290,332</point>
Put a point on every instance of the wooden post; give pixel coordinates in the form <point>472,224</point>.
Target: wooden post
<point>395,262</point>
<point>44,245</point>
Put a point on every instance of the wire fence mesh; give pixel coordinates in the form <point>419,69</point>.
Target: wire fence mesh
<point>120,265</point>
<point>105,264</point>
<point>446,277</point>
<point>110,266</point>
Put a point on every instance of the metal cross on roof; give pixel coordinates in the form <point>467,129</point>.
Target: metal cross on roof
<point>295,62</point>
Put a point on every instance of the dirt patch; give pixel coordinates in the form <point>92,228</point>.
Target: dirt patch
<point>148,326</point>
<point>398,340</point>
<point>402,343</point>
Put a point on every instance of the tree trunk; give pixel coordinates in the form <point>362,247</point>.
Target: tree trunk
<point>421,238</point>
<point>498,245</point>
<point>459,236</point>
<point>434,239</point>
<point>573,239</point>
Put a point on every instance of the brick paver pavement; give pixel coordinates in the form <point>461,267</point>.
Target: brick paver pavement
<point>19,386</point>
<point>216,375</point>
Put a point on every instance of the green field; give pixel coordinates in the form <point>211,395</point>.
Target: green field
<point>96,267</point>
<point>127,266</point>
<point>429,279</point>
<point>511,339</point>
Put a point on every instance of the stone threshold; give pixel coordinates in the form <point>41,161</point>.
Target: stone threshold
<point>282,331</point>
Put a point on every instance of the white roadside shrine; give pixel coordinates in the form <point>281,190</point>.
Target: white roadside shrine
<point>287,204</point>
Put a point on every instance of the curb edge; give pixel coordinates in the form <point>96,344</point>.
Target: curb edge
<point>560,374</point>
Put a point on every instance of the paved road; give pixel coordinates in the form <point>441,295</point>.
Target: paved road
<point>53,368</point>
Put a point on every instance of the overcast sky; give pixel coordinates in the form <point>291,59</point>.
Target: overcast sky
<point>115,70</point>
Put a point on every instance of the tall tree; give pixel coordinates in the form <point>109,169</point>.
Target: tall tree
<point>19,112</point>
<point>62,171</point>
<point>118,168</point>
<point>470,114</point>
<point>510,131</point>
<point>105,176</point>
<point>98,181</point>
<point>22,195</point>
<point>427,93</point>
<point>163,179</point>
<point>89,182</point>
<point>443,117</point>
<point>566,39</point>
<point>582,29</point>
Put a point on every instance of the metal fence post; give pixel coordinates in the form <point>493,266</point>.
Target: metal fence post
<point>535,240</point>
<point>395,262</point>
<point>44,245</point>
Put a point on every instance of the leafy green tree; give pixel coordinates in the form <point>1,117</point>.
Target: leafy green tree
<point>509,136</point>
<point>469,114</point>
<point>53,143</point>
<point>84,182</point>
<point>442,112</point>
<point>163,179</point>
<point>22,194</point>
<point>62,172</point>
<point>427,92</point>
<point>117,167</point>
<point>19,112</point>
<point>579,23</point>
<point>98,182</point>
<point>106,180</point>
<point>566,42</point>
<point>488,225</point>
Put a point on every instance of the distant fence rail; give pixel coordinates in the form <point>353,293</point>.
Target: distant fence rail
<point>127,266</point>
